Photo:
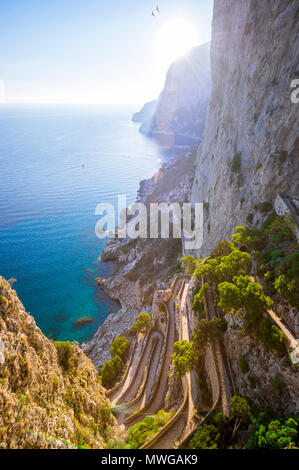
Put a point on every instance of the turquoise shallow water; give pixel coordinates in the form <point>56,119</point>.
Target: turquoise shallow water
<point>48,200</point>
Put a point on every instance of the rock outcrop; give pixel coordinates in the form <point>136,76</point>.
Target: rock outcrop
<point>250,146</point>
<point>146,113</point>
<point>182,105</point>
<point>50,396</point>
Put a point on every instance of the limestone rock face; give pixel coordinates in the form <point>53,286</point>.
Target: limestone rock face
<point>182,104</point>
<point>250,146</point>
<point>49,396</point>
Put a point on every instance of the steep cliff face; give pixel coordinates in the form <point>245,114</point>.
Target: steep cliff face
<point>182,104</point>
<point>250,147</point>
<point>50,396</point>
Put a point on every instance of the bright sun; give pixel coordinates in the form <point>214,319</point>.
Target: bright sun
<point>175,39</point>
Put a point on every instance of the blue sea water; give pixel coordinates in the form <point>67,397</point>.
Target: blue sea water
<point>56,165</point>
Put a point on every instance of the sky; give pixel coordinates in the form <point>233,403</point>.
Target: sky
<point>94,51</point>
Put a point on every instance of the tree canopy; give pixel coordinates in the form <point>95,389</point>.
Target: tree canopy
<point>184,357</point>
<point>119,346</point>
<point>110,370</point>
<point>244,293</point>
<point>142,324</point>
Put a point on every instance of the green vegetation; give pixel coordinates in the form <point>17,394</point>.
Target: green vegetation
<point>228,270</point>
<point>189,264</point>
<point>276,251</point>
<point>269,432</point>
<point>274,433</point>
<point>198,301</point>
<point>243,364</point>
<point>208,435</point>
<point>271,336</point>
<point>223,248</point>
<point>240,411</point>
<point>218,431</point>
<point>205,331</point>
<point>119,347</point>
<point>245,296</point>
<point>64,349</point>
<point>223,268</point>
<point>111,370</point>
<point>148,427</point>
<point>142,324</point>
<point>184,357</point>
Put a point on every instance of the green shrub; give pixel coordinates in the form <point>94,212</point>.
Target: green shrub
<point>198,301</point>
<point>143,323</point>
<point>206,330</point>
<point>217,270</point>
<point>189,264</point>
<point>271,336</point>
<point>288,289</point>
<point>149,426</point>
<point>250,238</point>
<point>64,349</point>
<point>184,357</point>
<point>223,248</point>
<point>119,347</point>
<point>244,293</point>
<point>278,433</point>
<point>111,370</point>
<point>240,410</point>
<point>214,434</point>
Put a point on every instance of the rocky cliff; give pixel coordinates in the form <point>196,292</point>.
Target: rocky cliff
<point>146,113</point>
<point>50,396</point>
<point>250,146</point>
<point>181,108</point>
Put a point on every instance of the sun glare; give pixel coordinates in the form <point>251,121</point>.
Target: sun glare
<point>174,39</point>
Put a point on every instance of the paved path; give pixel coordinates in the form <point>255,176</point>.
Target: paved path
<point>140,368</point>
<point>182,422</point>
<point>159,396</point>
<point>223,373</point>
<point>117,391</point>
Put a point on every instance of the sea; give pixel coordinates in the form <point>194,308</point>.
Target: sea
<point>57,163</point>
